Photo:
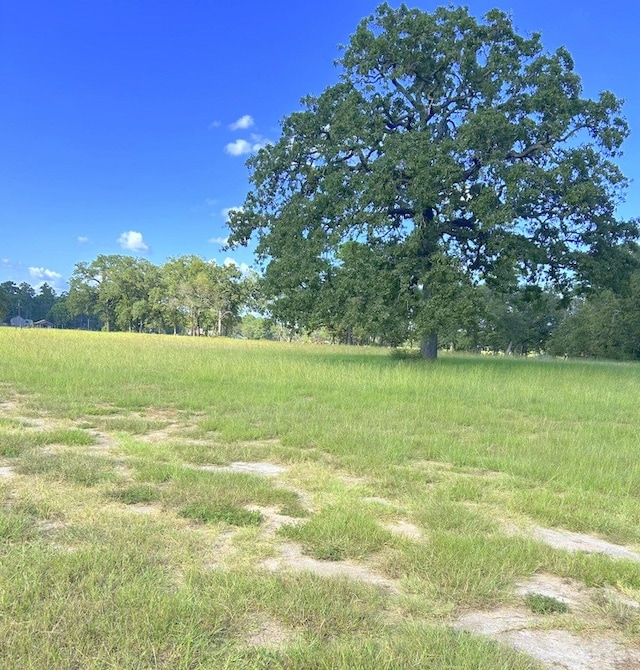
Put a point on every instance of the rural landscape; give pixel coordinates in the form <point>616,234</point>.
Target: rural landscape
<point>406,437</point>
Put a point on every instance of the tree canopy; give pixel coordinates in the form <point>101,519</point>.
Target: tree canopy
<point>186,293</point>
<point>451,151</point>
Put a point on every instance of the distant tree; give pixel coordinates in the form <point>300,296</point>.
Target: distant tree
<point>23,303</point>
<point>521,320</point>
<point>445,138</point>
<point>92,291</point>
<point>255,327</point>
<point>59,313</point>
<point>605,325</point>
<point>204,295</point>
<point>43,302</point>
<point>7,292</point>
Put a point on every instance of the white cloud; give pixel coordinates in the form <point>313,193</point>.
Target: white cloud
<point>132,241</point>
<point>242,123</point>
<point>243,267</point>
<point>219,240</point>
<point>238,148</point>
<point>214,124</point>
<point>44,273</point>
<point>227,210</point>
<point>83,239</point>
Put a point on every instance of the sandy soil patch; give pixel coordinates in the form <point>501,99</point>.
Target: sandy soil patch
<point>160,435</point>
<point>352,480</point>
<point>405,528</point>
<point>554,648</point>
<point>564,539</point>
<point>567,591</point>
<point>222,548</point>
<point>376,499</point>
<point>268,633</point>
<point>291,557</point>
<point>273,520</point>
<point>259,444</point>
<point>102,442</point>
<point>7,471</point>
<point>265,469</point>
<point>144,509</point>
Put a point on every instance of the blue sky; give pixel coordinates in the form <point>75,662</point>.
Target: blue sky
<point>125,124</point>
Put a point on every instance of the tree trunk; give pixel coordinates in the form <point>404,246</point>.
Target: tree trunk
<point>429,346</point>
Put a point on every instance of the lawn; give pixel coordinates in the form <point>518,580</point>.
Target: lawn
<point>174,502</point>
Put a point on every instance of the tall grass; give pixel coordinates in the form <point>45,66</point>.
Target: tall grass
<point>99,427</point>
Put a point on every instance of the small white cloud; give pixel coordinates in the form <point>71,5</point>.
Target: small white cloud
<point>242,123</point>
<point>83,239</point>
<point>219,240</point>
<point>238,148</point>
<point>6,262</point>
<point>259,142</point>
<point>213,125</point>
<point>44,273</point>
<point>132,241</point>
<point>227,210</point>
<point>243,267</point>
<point>211,202</point>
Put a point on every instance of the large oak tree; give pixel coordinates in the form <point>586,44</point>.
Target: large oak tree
<point>446,137</point>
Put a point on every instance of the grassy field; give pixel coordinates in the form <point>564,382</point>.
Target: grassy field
<point>172,502</point>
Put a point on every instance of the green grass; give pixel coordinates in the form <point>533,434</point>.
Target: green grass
<point>124,544</point>
<point>339,532</point>
<point>67,466</point>
<point>13,441</point>
<point>539,603</point>
<point>217,513</point>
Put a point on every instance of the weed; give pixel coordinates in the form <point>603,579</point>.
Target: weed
<point>133,495</point>
<point>337,533</point>
<point>539,603</point>
<point>234,516</point>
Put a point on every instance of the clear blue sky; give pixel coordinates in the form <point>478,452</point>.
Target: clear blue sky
<point>117,117</point>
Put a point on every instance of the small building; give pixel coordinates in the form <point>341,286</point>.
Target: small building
<point>19,322</point>
<point>43,323</point>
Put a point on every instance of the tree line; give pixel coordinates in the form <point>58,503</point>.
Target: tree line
<point>191,296</point>
<point>122,293</point>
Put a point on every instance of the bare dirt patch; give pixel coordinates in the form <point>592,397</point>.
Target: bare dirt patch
<point>567,591</point>
<point>223,548</point>
<point>273,520</point>
<point>102,442</point>
<point>352,480</point>
<point>259,444</point>
<point>376,499</point>
<point>268,633</point>
<point>553,647</point>
<point>564,539</point>
<point>144,509</point>
<point>7,472</point>
<point>265,469</point>
<point>160,435</point>
<point>292,557</point>
<point>405,529</point>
